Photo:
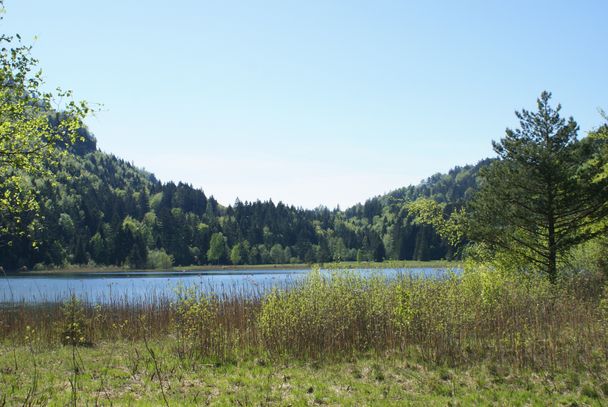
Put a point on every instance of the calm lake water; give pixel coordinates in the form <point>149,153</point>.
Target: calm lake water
<point>141,286</point>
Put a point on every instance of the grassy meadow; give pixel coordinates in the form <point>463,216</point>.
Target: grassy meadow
<point>125,373</point>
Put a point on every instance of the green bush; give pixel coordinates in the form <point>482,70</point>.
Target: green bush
<point>326,314</point>
<point>40,267</point>
<point>589,257</point>
<point>199,331</point>
<point>159,260</point>
<point>484,313</point>
<point>74,323</point>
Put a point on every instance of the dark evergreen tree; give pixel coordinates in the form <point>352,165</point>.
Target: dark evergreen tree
<point>537,200</point>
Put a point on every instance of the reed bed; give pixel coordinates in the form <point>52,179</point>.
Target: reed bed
<point>482,314</point>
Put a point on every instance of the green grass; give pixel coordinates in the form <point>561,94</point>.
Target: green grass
<point>123,373</point>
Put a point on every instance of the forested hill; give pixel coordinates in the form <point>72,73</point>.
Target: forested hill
<point>102,210</point>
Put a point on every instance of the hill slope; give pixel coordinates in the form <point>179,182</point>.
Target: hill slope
<point>102,210</point>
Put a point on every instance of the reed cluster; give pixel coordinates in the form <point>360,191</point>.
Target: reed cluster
<point>481,314</point>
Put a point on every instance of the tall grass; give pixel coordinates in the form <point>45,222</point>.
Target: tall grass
<point>483,314</point>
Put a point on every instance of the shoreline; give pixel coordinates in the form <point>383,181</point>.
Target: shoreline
<point>244,267</point>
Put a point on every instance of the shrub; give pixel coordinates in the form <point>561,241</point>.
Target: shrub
<point>73,330</point>
<point>40,267</point>
<point>486,313</point>
<point>159,260</point>
<point>197,327</point>
<point>326,314</point>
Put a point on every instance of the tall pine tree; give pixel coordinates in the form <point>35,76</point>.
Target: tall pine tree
<point>537,200</point>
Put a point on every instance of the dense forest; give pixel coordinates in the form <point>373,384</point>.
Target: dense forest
<point>100,210</point>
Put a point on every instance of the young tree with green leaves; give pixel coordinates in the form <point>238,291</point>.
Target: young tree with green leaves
<point>33,136</point>
<point>538,200</point>
<point>450,226</point>
<point>218,249</point>
<point>239,254</point>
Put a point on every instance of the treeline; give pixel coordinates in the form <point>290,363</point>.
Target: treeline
<point>101,210</point>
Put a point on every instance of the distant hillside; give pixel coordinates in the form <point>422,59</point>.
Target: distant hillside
<point>102,210</point>
<point>455,188</point>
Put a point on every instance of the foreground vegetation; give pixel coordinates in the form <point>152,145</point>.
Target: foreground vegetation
<point>488,335</point>
<point>125,373</point>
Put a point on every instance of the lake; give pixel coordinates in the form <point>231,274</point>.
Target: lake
<point>100,287</point>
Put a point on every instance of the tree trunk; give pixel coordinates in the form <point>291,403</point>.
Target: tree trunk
<point>552,266</point>
<point>552,261</point>
<point>552,248</point>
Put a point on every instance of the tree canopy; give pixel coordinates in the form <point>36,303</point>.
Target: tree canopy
<point>91,194</point>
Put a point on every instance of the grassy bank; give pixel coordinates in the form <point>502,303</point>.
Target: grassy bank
<point>288,266</point>
<point>126,373</point>
<point>114,269</point>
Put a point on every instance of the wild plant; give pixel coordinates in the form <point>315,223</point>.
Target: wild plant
<point>193,320</point>
<point>326,314</point>
<point>73,329</point>
<point>30,339</point>
<point>73,335</point>
<point>155,360</point>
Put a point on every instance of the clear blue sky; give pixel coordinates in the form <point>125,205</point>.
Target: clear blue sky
<point>314,102</point>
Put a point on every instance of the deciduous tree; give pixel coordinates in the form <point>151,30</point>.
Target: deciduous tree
<point>33,135</point>
<point>218,250</point>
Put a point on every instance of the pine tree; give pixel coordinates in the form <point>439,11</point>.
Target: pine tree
<point>537,200</point>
